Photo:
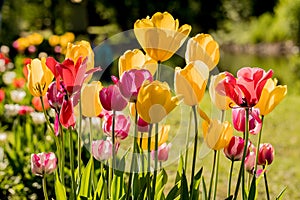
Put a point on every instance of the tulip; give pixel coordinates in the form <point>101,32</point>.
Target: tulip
<point>54,40</point>
<point>25,110</point>
<point>220,101</point>
<point>154,101</point>
<point>136,59</point>
<point>142,125</point>
<point>37,104</point>
<point>249,162</point>
<point>265,154</point>
<point>246,90</point>
<point>160,35</point>
<point>239,118</point>
<point>131,82</point>
<point>272,94</point>
<point>122,126</point>
<point>162,152</point>
<point>2,95</point>
<point>17,96</point>
<point>81,49</point>
<point>163,134</point>
<point>235,149</point>
<point>38,118</point>
<point>217,135</point>
<point>56,95</point>
<point>91,106</point>
<point>112,99</point>
<point>102,149</point>
<point>43,163</point>
<point>191,82</point>
<point>66,117</point>
<point>19,82</point>
<point>203,47</point>
<point>39,77</point>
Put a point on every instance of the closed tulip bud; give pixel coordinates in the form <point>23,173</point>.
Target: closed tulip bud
<point>204,48</point>
<point>91,106</point>
<point>155,101</point>
<point>191,82</point>
<point>249,162</point>
<point>162,152</point>
<point>112,99</point>
<point>272,94</point>
<point>39,77</point>
<point>160,36</point>
<point>43,163</point>
<point>235,149</point>
<point>102,149</point>
<point>265,154</point>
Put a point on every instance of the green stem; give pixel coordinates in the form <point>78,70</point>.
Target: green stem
<point>62,153</point>
<point>71,151</point>
<point>258,144</point>
<point>158,71</point>
<point>243,158</point>
<point>230,177</point>
<point>113,143</point>
<point>266,184</point>
<point>212,175</point>
<point>217,175</point>
<point>155,157</point>
<point>91,150</point>
<point>187,141</point>
<point>45,188</point>
<point>149,162</point>
<point>46,116</point>
<point>195,150</point>
<point>79,139</point>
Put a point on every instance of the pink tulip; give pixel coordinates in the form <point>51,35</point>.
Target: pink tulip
<point>131,82</point>
<point>265,154</point>
<point>239,118</point>
<point>25,110</point>
<point>142,125</point>
<point>2,95</point>
<point>235,149</point>
<point>246,90</point>
<point>102,149</point>
<point>43,163</point>
<point>112,99</point>
<point>56,95</point>
<point>250,159</point>
<point>122,125</point>
<point>162,152</point>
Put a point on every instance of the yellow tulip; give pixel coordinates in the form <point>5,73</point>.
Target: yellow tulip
<point>39,77</point>
<point>154,101</point>
<point>220,101</point>
<point>91,105</point>
<point>66,38</point>
<point>54,40</point>
<point>191,82</point>
<point>203,47</point>
<point>160,35</point>
<point>272,94</point>
<point>216,134</point>
<point>136,59</point>
<point>162,138</point>
<point>35,38</point>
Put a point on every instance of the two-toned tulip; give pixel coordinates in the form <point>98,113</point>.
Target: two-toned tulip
<point>235,149</point>
<point>191,81</point>
<point>266,154</point>
<point>43,163</point>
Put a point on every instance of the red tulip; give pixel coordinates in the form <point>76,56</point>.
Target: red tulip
<point>2,95</point>
<point>66,117</point>
<point>235,149</point>
<point>246,90</point>
<point>37,104</point>
<point>25,110</point>
<point>265,154</point>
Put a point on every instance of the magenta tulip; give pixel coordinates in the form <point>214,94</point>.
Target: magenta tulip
<point>43,163</point>
<point>122,125</point>
<point>235,149</point>
<point>162,152</point>
<point>239,118</point>
<point>131,81</point>
<point>246,90</point>
<point>112,99</point>
<point>142,125</point>
<point>265,154</point>
<point>56,95</point>
<point>102,149</point>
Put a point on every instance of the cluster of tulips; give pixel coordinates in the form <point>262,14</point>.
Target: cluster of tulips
<point>251,95</point>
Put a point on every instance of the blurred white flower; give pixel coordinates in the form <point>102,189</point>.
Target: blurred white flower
<point>4,49</point>
<point>17,95</point>
<point>3,137</point>
<point>8,77</point>
<point>10,65</point>
<point>11,109</point>
<point>38,118</point>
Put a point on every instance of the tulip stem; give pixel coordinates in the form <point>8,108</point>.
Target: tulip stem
<point>187,141</point>
<point>71,151</point>
<point>212,175</point>
<point>258,144</point>
<point>155,157</point>
<point>266,183</point>
<point>149,162</point>
<point>241,171</point>
<point>195,150</point>
<point>113,143</point>
<point>45,188</point>
<point>62,154</point>
<point>79,139</point>
<point>230,177</point>
<point>91,150</point>
<point>217,175</point>
<point>46,116</point>
<point>158,71</point>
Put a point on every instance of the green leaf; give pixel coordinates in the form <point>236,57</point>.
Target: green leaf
<point>279,197</point>
<point>101,190</point>
<point>174,192</point>
<point>179,169</point>
<point>252,191</point>
<point>197,180</point>
<point>161,181</point>
<point>184,187</point>
<point>229,198</point>
<point>60,191</point>
<point>85,185</point>
<point>117,187</point>
<point>204,190</point>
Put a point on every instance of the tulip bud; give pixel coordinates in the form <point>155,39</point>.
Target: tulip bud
<point>102,149</point>
<point>265,154</point>
<point>43,163</point>
<point>250,159</point>
<point>235,149</point>
<point>162,152</point>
